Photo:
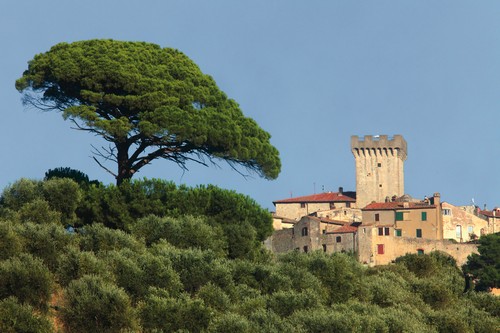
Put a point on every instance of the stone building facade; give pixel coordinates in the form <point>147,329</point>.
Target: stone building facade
<point>311,233</point>
<point>339,206</point>
<point>378,222</point>
<point>379,167</point>
<point>463,223</point>
<point>493,219</point>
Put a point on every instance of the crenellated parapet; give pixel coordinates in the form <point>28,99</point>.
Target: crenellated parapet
<point>382,145</point>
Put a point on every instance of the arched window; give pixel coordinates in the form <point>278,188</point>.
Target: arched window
<point>304,231</point>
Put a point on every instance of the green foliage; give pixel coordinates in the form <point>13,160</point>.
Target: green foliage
<point>285,303</point>
<point>183,232</point>
<point>78,176</point>
<point>230,323</point>
<point>339,273</point>
<point>51,201</point>
<point>128,270</point>
<point>485,302</point>
<point>92,304</point>
<point>26,278</point>
<point>10,241</point>
<point>19,193</point>
<point>37,211</point>
<point>21,318</point>
<point>63,195</point>
<point>168,314</point>
<point>214,297</point>
<point>150,102</point>
<point>74,264</point>
<point>195,267</point>
<point>484,268</point>
<point>46,242</point>
<point>242,221</point>
<point>97,238</point>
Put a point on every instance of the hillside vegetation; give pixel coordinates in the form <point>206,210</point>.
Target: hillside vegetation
<point>149,256</point>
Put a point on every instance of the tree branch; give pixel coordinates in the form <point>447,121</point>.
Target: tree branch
<point>102,166</point>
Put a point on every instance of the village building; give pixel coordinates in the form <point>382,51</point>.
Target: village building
<point>464,223</point>
<point>492,218</point>
<point>378,222</point>
<point>312,233</point>
<point>339,206</point>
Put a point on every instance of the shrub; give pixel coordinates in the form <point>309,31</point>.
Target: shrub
<point>21,318</point>
<point>183,232</point>
<point>74,264</point>
<point>92,304</point>
<point>230,323</point>
<point>63,195</point>
<point>46,242</point>
<point>98,238</point>
<point>10,241</point>
<point>26,278</point>
<point>167,314</point>
<point>38,211</point>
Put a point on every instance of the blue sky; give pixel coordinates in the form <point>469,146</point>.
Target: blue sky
<point>311,73</point>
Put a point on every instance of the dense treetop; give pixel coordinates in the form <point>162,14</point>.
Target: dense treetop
<point>148,102</point>
<point>148,256</point>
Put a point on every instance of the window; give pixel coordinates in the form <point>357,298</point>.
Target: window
<point>379,165</point>
<point>383,231</point>
<point>458,231</point>
<point>380,248</point>
<point>398,232</point>
<point>424,216</point>
<point>348,204</point>
<point>324,247</point>
<point>419,233</point>
<point>446,211</point>
<point>306,249</point>
<point>470,229</point>
<point>332,205</point>
<point>302,205</point>
<point>379,185</point>
<point>399,216</point>
<point>420,251</point>
<point>304,231</point>
<point>324,231</point>
<point>377,217</point>
<point>338,239</point>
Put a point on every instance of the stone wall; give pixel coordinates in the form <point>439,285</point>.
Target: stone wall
<point>393,247</point>
<point>460,222</point>
<point>379,167</point>
<point>314,239</point>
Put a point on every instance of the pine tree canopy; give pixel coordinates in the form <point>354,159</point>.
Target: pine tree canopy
<point>149,103</point>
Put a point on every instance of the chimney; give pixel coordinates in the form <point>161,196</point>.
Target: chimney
<point>436,198</point>
<point>341,190</point>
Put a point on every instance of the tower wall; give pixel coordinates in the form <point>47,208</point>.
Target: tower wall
<point>379,167</point>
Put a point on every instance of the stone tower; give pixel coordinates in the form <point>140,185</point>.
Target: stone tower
<point>379,167</point>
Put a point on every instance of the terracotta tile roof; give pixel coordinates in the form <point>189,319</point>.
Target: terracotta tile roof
<point>344,229</point>
<point>489,213</point>
<point>394,205</point>
<point>322,197</point>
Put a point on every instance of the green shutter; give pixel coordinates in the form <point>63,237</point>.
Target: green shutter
<point>424,216</point>
<point>399,216</point>
<point>398,232</point>
<point>419,233</point>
